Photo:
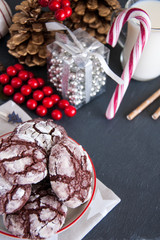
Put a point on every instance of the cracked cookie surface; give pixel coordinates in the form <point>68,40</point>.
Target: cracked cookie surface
<point>22,162</point>
<point>12,197</point>
<point>41,217</point>
<point>70,172</point>
<point>44,132</point>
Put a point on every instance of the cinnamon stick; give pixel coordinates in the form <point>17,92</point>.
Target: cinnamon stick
<point>143,105</point>
<point>156,115</point>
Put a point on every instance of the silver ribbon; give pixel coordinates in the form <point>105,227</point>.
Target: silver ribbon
<point>81,55</point>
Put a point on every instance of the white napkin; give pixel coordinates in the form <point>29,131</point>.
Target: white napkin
<point>103,202</point>
<point>8,108</point>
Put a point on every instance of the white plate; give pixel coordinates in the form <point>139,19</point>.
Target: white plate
<point>73,215</point>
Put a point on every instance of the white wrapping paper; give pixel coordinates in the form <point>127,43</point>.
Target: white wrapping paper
<point>103,202</point>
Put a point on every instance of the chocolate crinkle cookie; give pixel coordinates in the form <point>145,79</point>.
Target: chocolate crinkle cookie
<point>41,217</point>
<point>44,132</point>
<point>12,197</point>
<point>70,173</point>
<point>42,173</point>
<point>22,162</point>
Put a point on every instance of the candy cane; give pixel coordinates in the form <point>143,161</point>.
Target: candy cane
<point>112,38</point>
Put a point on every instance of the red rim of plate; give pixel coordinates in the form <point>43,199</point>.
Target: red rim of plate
<point>75,220</point>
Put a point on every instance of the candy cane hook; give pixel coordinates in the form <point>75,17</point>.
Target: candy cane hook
<point>112,38</point>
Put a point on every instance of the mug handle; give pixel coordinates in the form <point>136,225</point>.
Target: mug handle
<point>122,36</point>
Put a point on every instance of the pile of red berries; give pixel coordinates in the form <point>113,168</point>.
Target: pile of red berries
<point>61,8</point>
<point>25,88</point>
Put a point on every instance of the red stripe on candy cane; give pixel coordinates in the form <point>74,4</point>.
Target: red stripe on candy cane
<point>112,38</point>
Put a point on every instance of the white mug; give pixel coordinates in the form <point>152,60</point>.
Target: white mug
<point>149,64</point>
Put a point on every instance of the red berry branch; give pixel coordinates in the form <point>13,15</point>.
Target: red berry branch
<point>61,8</point>
<point>24,87</point>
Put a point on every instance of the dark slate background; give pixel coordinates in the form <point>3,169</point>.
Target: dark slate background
<point>126,154</point>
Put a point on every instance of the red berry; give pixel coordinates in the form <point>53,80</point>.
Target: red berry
<point>26,90</point>
<point>19,67</point>
<point>16,82</point>
<point>68,11</point>
<point>8,90</point>
<point>33,83</point>
<point>11,71</point>
<point>41,110</point>
<point>47,90</point>
<point>54,5</point>
<point>65,3</point>
<point>31,104</point>
<point>60,15</point>
<point>56,114</point>
<point>38,95</point>
<point>47,102</point>
<point>70,111</point>
<point>18,98</point>
<point>23,74</point>
<point>4,78</point>
<point>41,82</point>
<point>55,98</point>
<point>43,3</point>
<point>31,75</point>
<point>62,104</point>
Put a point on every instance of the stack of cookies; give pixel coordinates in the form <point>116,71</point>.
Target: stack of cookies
<point>42,173</point>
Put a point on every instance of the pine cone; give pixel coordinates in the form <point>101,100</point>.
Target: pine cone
<point>93,16</point>
<point>29,35</point>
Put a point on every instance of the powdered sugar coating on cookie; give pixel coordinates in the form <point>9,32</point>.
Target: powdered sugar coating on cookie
<point>41,217</point>
<point>12,197</point>
<point>22,162</point>
<point>70,173</point>
<point>44,132</point>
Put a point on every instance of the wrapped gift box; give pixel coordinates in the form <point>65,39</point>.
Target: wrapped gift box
<point>76,66</point>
